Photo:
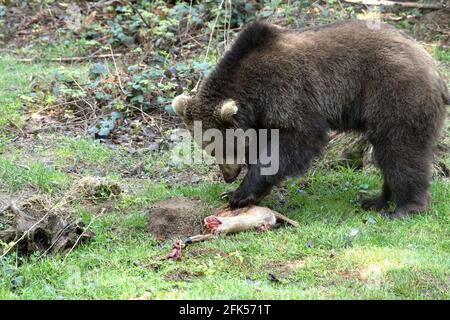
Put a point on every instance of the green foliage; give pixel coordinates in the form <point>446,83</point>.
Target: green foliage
<point>164,30</point>
<point>82,150</point>
<point>339,251</point>
<point>141,88</point>
<point>442,53</point>
<point>37,175</point>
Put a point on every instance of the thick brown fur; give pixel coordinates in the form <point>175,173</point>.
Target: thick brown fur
<point>343,76</point>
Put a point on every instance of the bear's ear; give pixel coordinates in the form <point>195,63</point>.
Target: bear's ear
<point>180,103</point>
<point>228,109</point>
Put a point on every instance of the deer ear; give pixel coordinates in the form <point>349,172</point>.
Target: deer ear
<point>228,109</point>
<point>180,103</point>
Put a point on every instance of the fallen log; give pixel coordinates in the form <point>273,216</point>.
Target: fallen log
<point>73,59</point>
<point>400,4</point>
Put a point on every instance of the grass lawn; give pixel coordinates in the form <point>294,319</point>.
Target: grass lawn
<point>338,252</point>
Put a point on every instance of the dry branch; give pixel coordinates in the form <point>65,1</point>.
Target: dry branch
<point>139,14</point>
<point>108,55</point>
<point>397,3</point>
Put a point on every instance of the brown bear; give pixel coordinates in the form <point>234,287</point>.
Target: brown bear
<point>346,76</point>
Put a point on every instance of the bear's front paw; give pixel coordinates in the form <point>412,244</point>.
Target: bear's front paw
<point>377,203</point>
<point>239,199</point>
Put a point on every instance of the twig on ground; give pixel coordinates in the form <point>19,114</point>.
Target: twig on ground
<point>117,71</point>
<point>69,59</point>
<point>143,113</point>
<point>212,31</point>
<point>139,14</point>
<point>189,18</point>
<point>84,100</point>
<point>398,3</point>
<point>61,232</point>
<point>59,105</point>
<point>101,4</point>
<point>15,125</point>
<point>34,131</point>
<point>210,41</point>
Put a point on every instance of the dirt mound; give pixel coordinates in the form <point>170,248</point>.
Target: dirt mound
<point>175,218</point>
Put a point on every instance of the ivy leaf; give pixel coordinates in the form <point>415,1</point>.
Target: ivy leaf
<point>363,186</point>
<point>353,232</point>
<point>169,109</point>
<point>203,67</point>
<point>17,282</point>
<point>98,69</point>
<point>106,125</point>
<point>370,220</point>
<point>138,99</point>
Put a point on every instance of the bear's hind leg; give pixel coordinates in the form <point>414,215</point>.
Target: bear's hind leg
<point>407,174</point>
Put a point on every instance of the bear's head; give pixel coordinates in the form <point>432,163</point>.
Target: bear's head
<point>214,117</point>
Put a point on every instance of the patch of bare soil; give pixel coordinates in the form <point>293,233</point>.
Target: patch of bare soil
<point>182,275</point>
<point>283,269</point>
<point>5,200</point>
<point>197,252</point>
<point>175,218</point>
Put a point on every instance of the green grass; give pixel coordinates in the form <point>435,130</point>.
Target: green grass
<point>86,151</point>
<point>36,175</point>
<point>14,82</point>
<point>441,53</point>
<point>385,259</point>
